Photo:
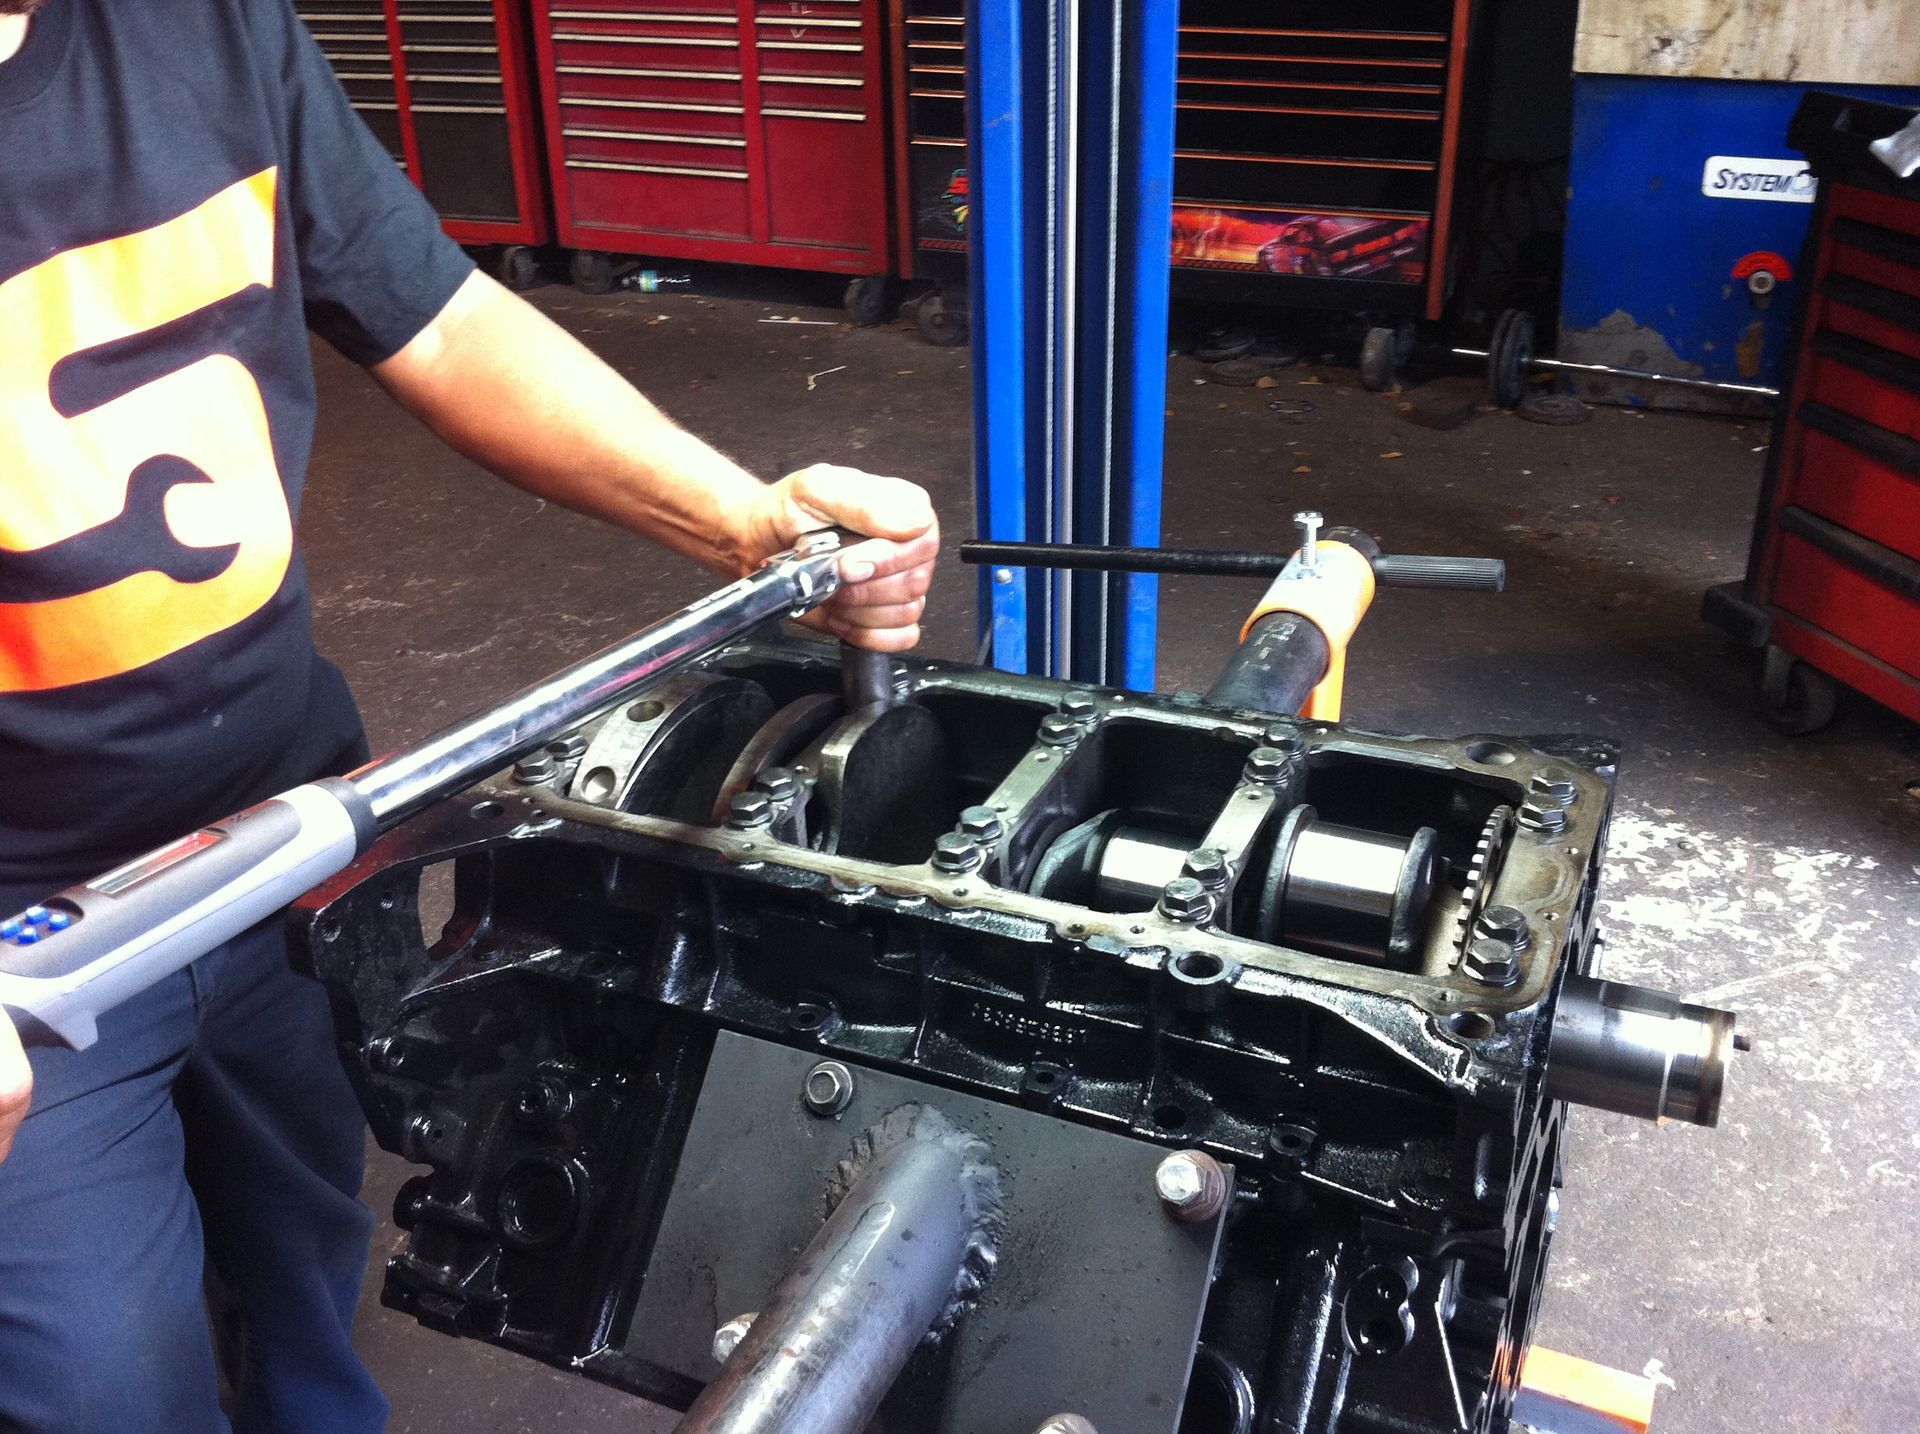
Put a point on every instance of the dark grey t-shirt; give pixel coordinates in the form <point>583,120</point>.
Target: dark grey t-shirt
<point>184,192</point>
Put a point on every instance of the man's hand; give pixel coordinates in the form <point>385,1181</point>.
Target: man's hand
<point>886,577</point>
<point>16,1085</point>
<point>510,389</point>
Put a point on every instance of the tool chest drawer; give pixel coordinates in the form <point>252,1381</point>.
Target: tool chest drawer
<point>445,86</point>
<point>701,129</point>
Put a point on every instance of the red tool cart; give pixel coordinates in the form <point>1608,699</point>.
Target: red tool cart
<point>446,86</point>
<point>743,130</point>
<point>1317,158</point>
<point>1833,584</point>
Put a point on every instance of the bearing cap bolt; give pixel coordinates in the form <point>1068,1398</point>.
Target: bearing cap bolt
<point>1059,730</point>
<point>1491,962</point>
<point>955,851</point>
<point>727,1338</point>
<point>1505,924</point>
<point>1543,817</point>
<point>1184,899</point>
<point>750,809</point>
<point>1208,866</point>
<point>1553,787</point>
<point>1079,706</point>
<point>1285,740</point>
<point>535,767</point>
<point>569,747</point>
<point>981,823</point>
<point>827,1088</point>
<point>1267,765</point>
<point>1191,1185</point>
<point>778,783</point>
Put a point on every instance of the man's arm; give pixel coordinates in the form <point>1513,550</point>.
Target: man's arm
<point>513,391</point>
<point>16,1084</point>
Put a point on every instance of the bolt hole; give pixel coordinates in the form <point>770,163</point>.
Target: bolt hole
<point>598,784</point>
<point>482,811</point>
<point>1491,754</point>
<point>1046,1077</point>
<point>808,1017</point>
<point>1170,1116</point>
<point>330,930</point>
<point>1137,930</point>
<point>1474,1025</point>
<point>387,900</point>
<point>1199,966</point>
<point>645,711</point>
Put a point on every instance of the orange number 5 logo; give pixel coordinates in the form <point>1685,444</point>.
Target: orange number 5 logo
<point>63,477</point>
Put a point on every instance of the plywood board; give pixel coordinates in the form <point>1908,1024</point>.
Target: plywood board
<point>1858,42</point>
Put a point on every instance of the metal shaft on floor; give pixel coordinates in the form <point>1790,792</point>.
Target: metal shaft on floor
<point>825,1351</point>
<point>1639,375</point>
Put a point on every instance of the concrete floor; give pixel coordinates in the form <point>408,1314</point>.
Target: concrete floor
<point>1761,1272</point>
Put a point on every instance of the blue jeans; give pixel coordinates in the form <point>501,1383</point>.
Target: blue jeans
<point>212,1123</point>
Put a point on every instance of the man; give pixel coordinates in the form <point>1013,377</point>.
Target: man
<point>185,192</point>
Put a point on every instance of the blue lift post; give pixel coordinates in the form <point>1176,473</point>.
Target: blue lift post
<point>1070,177</point>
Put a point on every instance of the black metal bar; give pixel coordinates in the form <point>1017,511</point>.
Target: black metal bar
<point>1204,562</point>
<point>1395,570</point>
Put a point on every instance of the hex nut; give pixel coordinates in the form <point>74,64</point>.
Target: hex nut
<point>983,824</point>
<point>1285,740</point>
<point>955,851</point>
<point>1059,730</point>
<point>750,809</point>
<point>779,783</point>
<point>726,1339</point>
<point>1538,816</point>
<point>1267,764</point>
<point>570,747</point>
<point>1208,866</point>
<point>1507,924</point>
<point>1491,962</point>
<point>1184,899</point>
<point>827,1088</point>
<point>1191,1185</point>
<point>535,767</point>
<point>1079,706</point>
<point>1553,786</point>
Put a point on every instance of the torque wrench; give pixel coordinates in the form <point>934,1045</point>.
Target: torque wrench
<point>69,960</point>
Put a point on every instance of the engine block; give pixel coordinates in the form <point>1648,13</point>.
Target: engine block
<point>704,951</point>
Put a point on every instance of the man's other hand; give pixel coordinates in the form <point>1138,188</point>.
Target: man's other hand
<point>16,1085</point>
<point>885,577</point>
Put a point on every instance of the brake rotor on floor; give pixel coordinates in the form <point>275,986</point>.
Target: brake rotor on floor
<point>1556,410</point>
<point>1240,372</point>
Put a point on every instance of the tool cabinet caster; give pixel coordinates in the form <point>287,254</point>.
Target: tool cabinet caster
<point>592,271</point>
<point>1796,697</point>
<point>1510,357</point>
<point>941,323</point>
<point>517,267</point>
<point>1382,353</point>
<point>866,299</point>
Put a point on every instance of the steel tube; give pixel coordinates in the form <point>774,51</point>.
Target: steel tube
<point>866,677</point>
<point>1758,390</point>
<point>1276,668</point>
<point>399,785</point>
<point>822,1355</point>
<point>1639,1052</point>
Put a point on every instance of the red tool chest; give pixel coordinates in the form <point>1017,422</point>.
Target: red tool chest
<point>1833,584</point>
<point>447,87</point>
<point>744,130</point>
<point>1317,153</point>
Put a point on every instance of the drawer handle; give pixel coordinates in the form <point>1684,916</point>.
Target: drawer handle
<point>855,115</point>
<point>652,105</point>
<point>688,41</point>
<point>657,169</point>
<point>653,136</point>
